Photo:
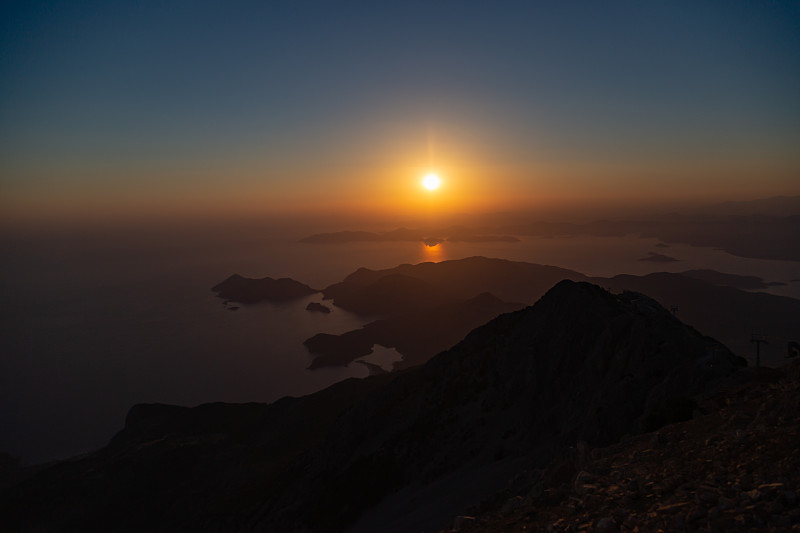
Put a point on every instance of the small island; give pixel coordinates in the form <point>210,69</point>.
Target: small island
<point>317,307</point>
<point>250,291</point>
<point>658,258</point>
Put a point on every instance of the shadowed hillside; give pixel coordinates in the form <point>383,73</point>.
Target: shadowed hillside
<point>580,365</point>
<point>511,281</point>
<point>397,452</point>
<point>734,467</point>
<point>415,334</point>
<point>419,304</point>
<point>725,313</point>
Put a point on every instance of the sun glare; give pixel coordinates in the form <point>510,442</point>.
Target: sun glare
<point>431,182</point>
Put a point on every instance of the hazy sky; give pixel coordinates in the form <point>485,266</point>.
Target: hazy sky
<point>260,107</point>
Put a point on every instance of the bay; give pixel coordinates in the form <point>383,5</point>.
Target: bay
<point>91,326</point>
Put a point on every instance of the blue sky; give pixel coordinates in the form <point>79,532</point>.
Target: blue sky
<point>169,105</point>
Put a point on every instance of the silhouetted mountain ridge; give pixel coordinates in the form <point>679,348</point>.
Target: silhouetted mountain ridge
<point>428,307</point>
<point>582,364</point>
<point>512,281</point>
<point>416,332</point>
<point>764,228</point>
<point>410,298</point>
<point>397,452</point>
<point>723,312</point>
<point>430,236</point>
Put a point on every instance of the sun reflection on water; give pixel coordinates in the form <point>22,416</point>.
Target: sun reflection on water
<point>433,253</point>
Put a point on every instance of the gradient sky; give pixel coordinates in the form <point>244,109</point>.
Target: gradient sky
<point>151,108</point>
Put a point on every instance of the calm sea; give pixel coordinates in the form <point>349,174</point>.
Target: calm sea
<point>91,326</point>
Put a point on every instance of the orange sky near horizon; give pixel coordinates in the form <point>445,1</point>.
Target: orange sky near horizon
<point>467,187</point>
<point>121,111</point>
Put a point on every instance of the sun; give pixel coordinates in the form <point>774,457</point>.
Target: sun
<point>431,182</point>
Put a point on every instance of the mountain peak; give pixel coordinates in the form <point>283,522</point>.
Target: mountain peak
<point>580,365</point>
<point>407,451</point>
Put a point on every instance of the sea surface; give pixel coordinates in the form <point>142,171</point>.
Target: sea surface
<point>90,326</point>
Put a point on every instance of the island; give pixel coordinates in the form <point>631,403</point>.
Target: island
<point>250,291</point>
<point>658,258</point>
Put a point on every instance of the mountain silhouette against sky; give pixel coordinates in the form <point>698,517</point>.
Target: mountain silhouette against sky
<point>428,307</point>
<point>403,451</point>
<point>765,229</point>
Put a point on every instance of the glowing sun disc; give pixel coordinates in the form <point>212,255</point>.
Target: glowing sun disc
<point>431,182</point>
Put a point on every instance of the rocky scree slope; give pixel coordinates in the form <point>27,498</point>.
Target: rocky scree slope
<point>734,467</point>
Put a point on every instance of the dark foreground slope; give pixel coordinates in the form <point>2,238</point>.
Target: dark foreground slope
<point>180,469</point>
<point>580,365</point>
<point>406,452</point>
<point>735,467</point>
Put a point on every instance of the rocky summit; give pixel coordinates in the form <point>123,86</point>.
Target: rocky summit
<point>579,370</point>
